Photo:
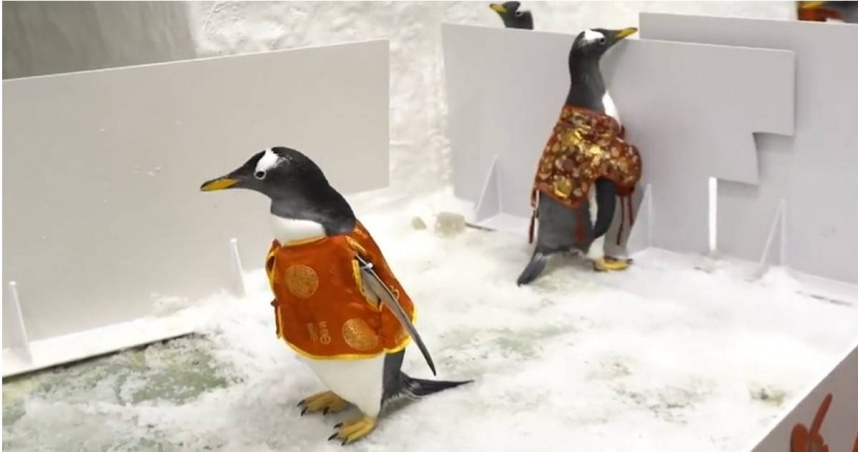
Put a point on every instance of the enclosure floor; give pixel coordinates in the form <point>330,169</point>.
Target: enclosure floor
<point>677,354</point>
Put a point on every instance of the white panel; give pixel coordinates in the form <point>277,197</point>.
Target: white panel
<point>102,212</point>
<point>815,172</point>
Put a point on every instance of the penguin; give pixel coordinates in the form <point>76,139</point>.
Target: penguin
<point>561,228</point>
<point>337,304</point>
<point>512,16</point>
<point>839,11</point>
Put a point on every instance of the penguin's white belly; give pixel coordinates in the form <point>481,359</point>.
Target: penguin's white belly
<point>359,381</point>
<point>597,246</point>
<point>288,230</point>
<point>610,107</point>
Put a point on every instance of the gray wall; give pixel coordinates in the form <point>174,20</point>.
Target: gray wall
<point>41,38</point>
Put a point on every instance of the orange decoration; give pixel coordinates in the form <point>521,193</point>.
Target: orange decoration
<point>817,14</point>
<point>804,440</point>
<point>319,305</point>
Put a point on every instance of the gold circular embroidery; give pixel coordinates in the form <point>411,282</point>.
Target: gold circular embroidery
<point>302,281</point>
<point>359,336</point>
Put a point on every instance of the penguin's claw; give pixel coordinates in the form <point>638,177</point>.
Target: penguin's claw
<point>326,402</point>
<point>353,429</point>
<point>610,264</point>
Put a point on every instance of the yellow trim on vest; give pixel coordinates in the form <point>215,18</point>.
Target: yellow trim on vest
<point>303,241</point>
<point>350,356</point>
<point>332,357</point>
<point>358,278</point>
<point>277,320</point>
<point>405,343</point>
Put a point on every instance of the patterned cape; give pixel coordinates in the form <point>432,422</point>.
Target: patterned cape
<point>584,146</point>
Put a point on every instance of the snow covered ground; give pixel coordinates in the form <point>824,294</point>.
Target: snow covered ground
<point>680,353</point>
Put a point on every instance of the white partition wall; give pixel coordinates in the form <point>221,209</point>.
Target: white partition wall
<point>102,213</point>
<point>813,176</point>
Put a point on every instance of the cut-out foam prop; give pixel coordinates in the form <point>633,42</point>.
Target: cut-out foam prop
<point>808,181</point>
<point>826,418</point>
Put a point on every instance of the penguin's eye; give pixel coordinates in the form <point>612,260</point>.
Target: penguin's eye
<point>259,175</point>
<point>602,41</point>
<point>518,14</point>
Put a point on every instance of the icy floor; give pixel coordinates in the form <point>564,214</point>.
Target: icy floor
<point>677,354</point>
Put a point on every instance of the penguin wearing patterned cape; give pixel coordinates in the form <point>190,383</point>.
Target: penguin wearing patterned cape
<point>337,303</point>
<point>584,167</point>
<point>840,11</point>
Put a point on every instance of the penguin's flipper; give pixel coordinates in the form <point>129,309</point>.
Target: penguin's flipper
<point>371,280</point>
<point>606,200</point>
<point>534,268</point>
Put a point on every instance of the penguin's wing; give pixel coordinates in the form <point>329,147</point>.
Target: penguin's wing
<point>376,285</point>
<point>606,199</point>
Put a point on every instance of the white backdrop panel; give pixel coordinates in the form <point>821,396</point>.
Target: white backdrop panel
<point>102,212</point>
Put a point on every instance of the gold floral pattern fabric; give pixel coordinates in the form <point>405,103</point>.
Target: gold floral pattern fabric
<point>584,146</point>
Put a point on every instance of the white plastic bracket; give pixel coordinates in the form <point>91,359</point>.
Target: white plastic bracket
<point>489,204</point>
<point>19,342</point>
<point>774,252</point>
<point>235,269</point>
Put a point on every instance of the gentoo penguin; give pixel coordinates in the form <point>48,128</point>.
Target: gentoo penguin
<point>337,303</point>
<point>512,16</point>
<point>581,226</point>
<point>840,11</point>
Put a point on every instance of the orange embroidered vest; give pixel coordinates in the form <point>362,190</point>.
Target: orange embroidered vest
<point>584,146</point>
<point>319,305</point>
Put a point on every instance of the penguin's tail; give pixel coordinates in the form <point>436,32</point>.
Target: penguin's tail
<point>415,388</point>
<point>534,268</point>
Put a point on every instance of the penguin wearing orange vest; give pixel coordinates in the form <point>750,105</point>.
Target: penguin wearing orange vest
<point>337,303</point>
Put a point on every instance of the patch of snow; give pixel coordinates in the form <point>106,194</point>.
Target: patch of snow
<point>662,357</point>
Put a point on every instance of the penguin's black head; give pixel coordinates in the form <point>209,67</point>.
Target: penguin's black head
<point>592,44</point>
<point>512,16</point>
<point>272,172</point>
<point>296,185</point>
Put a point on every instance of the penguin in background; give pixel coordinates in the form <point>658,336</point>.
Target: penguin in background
<point>581,174</point>
<point>840,11</point>
<point>337,303</point>
<point>512,16</point>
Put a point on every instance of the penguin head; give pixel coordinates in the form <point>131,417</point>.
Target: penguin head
<point>512,16</point>
<point>297,187</point>
<point>593,43</point>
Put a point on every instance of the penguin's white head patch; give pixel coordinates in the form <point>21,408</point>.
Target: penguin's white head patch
<point>592,36</point>
<point>269,160</point>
